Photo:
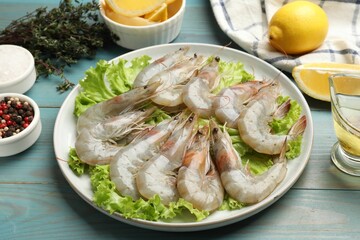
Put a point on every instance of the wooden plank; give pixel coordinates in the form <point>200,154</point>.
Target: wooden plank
<point>33,211</point>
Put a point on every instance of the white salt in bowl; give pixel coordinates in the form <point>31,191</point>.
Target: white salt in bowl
<point>23,140</point>
<point>17,69</point>
<point>135,37</point>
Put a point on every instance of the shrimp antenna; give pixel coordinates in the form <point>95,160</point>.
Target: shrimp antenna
<point>60,159</point>
<point>222,48</point>
<point>151,95</point>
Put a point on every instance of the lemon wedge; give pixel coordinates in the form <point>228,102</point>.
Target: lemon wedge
<point>312,78</point>
<point>134,8</point>
<point>158,15</point>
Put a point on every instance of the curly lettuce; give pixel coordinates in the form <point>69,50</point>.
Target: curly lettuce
<point>230,204</point>
<point>232,73</point>
<point>75,164</point>
<point>107,80</point>
<point>107,197</point>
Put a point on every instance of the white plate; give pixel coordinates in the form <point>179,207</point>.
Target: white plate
<point>64,138</point>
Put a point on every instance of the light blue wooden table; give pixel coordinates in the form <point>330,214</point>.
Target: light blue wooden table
<point>36,202</point>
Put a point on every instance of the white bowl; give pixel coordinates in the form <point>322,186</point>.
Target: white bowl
<point>135,37</point>
<point>17,69</point>
<point>26,138</point>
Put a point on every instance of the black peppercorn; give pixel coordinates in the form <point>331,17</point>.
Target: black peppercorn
<point>15,116</point>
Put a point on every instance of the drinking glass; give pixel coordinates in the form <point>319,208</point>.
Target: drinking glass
<point>345,107</point>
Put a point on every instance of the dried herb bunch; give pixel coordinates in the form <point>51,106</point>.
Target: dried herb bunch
<point>59,37</point>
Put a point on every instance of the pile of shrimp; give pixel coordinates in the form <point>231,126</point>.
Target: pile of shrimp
<point>179,157</point>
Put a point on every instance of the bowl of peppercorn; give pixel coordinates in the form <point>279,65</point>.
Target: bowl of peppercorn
<point>20,124</point>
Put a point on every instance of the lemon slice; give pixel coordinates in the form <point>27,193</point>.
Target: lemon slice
<point>134,8</point>
<point>312,78</point>
<point>130,21</point>
<point>169,1</point>
<point>158,15</point>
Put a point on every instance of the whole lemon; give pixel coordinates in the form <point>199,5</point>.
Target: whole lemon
<point>298,27</point>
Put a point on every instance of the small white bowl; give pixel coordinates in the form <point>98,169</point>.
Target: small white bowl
<point>135,37</point>
<point>23,140</point>
<point>17,69</point>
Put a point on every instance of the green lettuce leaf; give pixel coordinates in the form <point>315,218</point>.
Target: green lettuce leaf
<point>257,162</point>
<point>107,197</point>
<point>121,76</point>
<point>232,73</point>
<point>94,88</point>
<point>107,80</point>
<point>294,148</point>
<point>75,164</point>
<point>230,204</point>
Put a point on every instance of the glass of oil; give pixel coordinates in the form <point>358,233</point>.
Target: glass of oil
<point>345,107</point>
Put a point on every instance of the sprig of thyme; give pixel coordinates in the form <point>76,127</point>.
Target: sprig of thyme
<point>59,37</point>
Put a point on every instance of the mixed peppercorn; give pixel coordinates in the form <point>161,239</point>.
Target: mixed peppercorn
<point>15,116</point>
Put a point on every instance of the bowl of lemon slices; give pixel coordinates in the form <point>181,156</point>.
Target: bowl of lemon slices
<point>138,24</point>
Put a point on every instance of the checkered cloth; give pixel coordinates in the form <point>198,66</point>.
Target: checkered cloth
<point>246,23</point>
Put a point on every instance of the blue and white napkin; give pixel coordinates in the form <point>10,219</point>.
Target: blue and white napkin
<point>246,23</point>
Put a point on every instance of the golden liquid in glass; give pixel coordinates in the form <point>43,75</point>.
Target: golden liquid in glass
<point>347,128</point>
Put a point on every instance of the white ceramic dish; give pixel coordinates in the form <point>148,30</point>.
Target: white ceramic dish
<point>135,37</point>
<point>65,131</point>
<point>17,69</point>
<point>20,142</point>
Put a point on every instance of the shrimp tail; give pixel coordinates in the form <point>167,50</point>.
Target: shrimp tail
<point>282,110</point>
<point>298,128</point>
<point>247,168</point>
<point>282,155</point>
<point>159,65</point>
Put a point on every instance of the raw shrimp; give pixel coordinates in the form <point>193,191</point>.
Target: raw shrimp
<point>253,123</point>
<point>172,77</point>
<point>236,178</point>
<point>158,175</point>
<point>210,72</point>
<point>114,106</point>
<point>171,97</point>
<point>159,65</point>
<point>128,160</point>
<point>197,94</point>
<point>178,73</point>
<point>231,100</point>
<point>98,145</point>
<point>198,180</point>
